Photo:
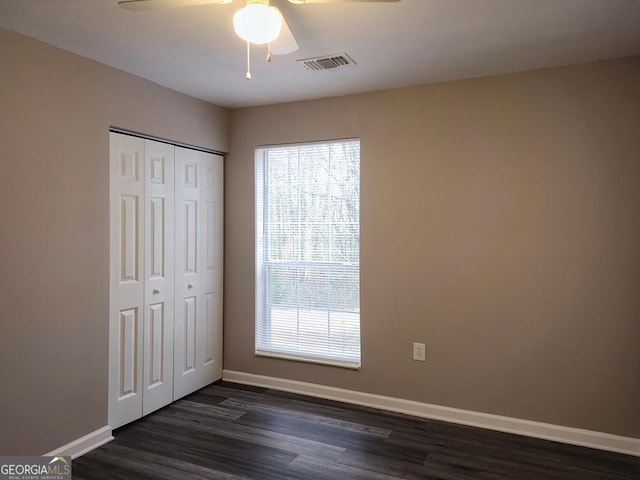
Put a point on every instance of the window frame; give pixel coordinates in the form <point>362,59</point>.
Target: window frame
<point>262,290</point>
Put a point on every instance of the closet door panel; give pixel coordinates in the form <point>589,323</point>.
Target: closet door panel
<point>198,358</point>
<point>159,276</point>
<point>126,278</point>
<point>219,263</point>
<point>210,265</point>
<point>187,228</point>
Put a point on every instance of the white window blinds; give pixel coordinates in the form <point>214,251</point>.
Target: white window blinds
<point>308,252</point>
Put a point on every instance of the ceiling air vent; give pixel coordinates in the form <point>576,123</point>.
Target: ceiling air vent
<point>328,62</point>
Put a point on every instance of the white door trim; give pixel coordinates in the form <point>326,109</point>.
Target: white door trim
<point>84,444</point>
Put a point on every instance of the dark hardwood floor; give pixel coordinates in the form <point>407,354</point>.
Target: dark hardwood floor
<point>232,432</point>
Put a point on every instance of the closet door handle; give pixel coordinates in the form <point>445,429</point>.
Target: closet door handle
<point>190,286</point>
<point>156,291</point>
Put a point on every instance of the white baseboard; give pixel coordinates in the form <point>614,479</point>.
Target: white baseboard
<point>547,431</point>
<point>83,444</point>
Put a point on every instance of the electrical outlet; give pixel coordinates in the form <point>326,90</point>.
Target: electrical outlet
<point>420,352</point>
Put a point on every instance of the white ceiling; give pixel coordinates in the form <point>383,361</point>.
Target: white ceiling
<point>194,49</point>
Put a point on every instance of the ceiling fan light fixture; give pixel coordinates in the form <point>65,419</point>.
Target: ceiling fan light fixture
<point>257,22</point>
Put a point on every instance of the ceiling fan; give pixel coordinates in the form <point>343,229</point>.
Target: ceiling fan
<point>257,22</point>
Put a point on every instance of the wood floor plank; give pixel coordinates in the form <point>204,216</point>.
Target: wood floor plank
<point>156,466</point>
<point>312,418</point>
<point>332,471</point>
<point>236,432</point>
<point>219,411</point>
<point>386,465</point>
<point>348,439</point>
<point>211,451</point>
<point>260,436</point>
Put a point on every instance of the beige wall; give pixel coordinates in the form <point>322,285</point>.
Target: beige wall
<point>500,225</point>
<point>55,113</point>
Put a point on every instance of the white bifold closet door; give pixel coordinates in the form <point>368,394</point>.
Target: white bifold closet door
<point>199,186</point>
<point>165,275</point>
<point>157,376</point>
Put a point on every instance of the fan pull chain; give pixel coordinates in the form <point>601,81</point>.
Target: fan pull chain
<point>268,52</point>
<point>248,60</point>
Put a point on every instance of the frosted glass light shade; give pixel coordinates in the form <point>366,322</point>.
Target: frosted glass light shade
<point>257,23</point>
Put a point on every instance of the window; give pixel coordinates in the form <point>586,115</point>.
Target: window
<point>308,252</point>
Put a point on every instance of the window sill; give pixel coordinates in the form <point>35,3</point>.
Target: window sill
<point>317,361</point>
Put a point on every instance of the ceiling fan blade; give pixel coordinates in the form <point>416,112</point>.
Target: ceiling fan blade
<point>300,2</point>
<point>285,43</point>
<point>141,5</point>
